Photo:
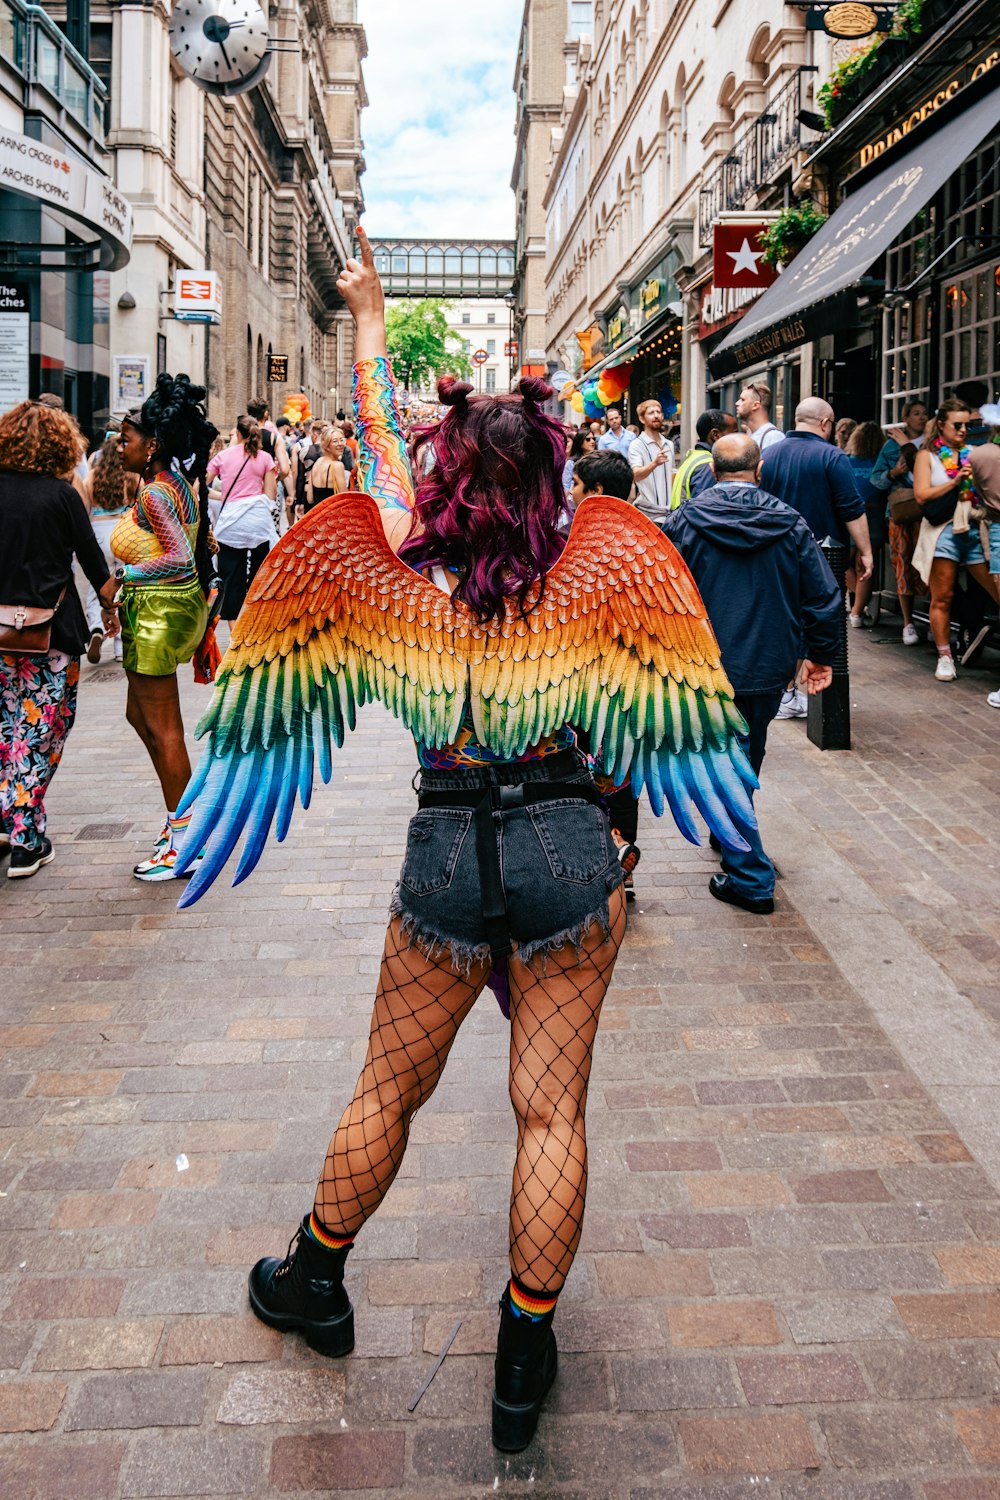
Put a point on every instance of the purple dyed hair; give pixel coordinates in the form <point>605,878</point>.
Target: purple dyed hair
<point>490,506</point>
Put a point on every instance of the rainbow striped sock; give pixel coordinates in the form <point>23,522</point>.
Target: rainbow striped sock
<point>533,1305</point>
<point>323,1237</point>
<point>178,825</point>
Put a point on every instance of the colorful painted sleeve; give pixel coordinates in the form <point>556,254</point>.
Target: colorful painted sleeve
<point>163,509</point>
<point>383,465</point>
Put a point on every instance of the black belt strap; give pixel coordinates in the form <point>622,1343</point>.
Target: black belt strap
<point>484,802</point>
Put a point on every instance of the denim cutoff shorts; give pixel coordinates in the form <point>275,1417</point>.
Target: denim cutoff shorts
<point>558,866</point>
<point>994,532</point>
<point>965,547</point>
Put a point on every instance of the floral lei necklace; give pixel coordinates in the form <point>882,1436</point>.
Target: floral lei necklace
<point>952,461</point>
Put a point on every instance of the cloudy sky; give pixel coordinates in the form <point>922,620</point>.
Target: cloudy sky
<point>438,132</point>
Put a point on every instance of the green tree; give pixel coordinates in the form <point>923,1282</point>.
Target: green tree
<point>421,345</point>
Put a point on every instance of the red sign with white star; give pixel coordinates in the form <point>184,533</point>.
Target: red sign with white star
<point>738,259</point>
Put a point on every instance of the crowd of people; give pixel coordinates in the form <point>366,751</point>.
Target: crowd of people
<point>169,521</point>
<point>921,494</point>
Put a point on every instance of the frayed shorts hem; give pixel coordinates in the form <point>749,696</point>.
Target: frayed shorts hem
<point>463,957</point>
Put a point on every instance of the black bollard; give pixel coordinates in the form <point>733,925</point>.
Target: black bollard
<point>829,721</point>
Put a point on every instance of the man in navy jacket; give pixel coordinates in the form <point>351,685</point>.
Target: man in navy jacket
<point>767,587</point>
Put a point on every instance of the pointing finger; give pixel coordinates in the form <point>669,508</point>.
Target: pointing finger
<point>367,253</point>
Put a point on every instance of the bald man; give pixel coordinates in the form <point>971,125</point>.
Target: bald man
<point>814,477</point>
<point>767,587</point>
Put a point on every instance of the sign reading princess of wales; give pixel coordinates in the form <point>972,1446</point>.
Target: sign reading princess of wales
<point>737,257</point>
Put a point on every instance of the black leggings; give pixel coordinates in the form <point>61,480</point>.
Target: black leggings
<point>238,567</point>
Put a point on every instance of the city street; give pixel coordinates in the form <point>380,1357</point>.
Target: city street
<point>788,1280</point>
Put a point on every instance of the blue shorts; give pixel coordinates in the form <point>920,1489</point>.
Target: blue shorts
<point>558,866</point>
<point>994,546</point>
<point>965,548</point>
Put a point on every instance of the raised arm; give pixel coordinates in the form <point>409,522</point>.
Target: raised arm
<point>383,464</point>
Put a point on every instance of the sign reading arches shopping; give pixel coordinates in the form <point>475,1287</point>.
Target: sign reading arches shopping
<point>71,188</point>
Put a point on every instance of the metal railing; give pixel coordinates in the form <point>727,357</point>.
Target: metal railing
<point>33,43</point>
<point>754,158</point>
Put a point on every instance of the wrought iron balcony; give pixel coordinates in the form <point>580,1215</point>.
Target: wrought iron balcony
<point>755,157</point>
<point>33,43</point>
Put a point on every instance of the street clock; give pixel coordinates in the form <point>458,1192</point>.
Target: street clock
<point>222,44</point>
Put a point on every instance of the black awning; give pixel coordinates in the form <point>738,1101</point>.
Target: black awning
<point>812,297</point>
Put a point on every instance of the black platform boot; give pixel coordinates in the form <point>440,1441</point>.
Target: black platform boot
<point>306,1291</point>
<point>526,1365</point>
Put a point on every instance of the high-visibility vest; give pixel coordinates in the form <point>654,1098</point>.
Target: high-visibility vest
<point>681,489</point>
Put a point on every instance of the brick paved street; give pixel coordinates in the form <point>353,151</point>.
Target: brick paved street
<point>788,1279</point>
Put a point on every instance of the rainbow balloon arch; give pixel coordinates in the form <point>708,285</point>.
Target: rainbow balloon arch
<point>591,397</point>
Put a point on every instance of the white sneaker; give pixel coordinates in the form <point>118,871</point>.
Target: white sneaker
<point>993,699</point>
<point>945,669</point>
<point>794,705</point>
<point>855,622</point>
<point>910,637</point>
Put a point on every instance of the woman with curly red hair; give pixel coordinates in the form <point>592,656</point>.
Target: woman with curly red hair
<point>43,523</point>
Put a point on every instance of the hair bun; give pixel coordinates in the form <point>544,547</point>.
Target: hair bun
<point>534,390</point>
<point>452,392</point>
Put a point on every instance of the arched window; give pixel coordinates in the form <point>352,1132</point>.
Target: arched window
<point>470,262</point>
<point>435,261</point>
<point>259,382</point>
<point>725,110</point>
<point>681,130</point>
<point>248,378</point>
<point>757,63</point>
<point>302,367</point>
<point>506,263</point>
<point>666,152</point>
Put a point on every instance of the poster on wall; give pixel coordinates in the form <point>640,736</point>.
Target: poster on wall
<point>15,342</point>
<point>130,380</point>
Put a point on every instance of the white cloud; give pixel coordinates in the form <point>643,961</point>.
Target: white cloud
<point>439,131</point>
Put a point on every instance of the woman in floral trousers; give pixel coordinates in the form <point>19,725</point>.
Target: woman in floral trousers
<point>43,523</point>
<point>37,709</point>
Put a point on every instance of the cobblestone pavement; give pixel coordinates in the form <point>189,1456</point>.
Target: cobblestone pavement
<point>788,1280</point>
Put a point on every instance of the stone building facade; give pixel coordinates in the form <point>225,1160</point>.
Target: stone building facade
<point>671,116</point>
<point>538,86</point>
<point>263,188</point>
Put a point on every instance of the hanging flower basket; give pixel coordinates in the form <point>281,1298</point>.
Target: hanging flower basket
<point>790,232</point>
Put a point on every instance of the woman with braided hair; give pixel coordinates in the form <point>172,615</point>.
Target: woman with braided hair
<point>165,578</point>
<point>464,609</point>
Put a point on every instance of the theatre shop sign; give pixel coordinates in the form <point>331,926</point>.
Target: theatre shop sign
<point>68,185</point>
<point>720,307</point>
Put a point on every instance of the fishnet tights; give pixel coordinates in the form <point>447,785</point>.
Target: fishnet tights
<point>419,1006</point>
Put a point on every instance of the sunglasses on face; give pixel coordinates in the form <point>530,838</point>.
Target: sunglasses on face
<point>962,425</point>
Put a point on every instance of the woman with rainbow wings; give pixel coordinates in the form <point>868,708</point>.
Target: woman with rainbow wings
<point>462,610</point>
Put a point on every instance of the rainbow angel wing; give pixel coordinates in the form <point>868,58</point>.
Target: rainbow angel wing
<point>620,646</point>
<point>617,643</point>
<point>332,620</point>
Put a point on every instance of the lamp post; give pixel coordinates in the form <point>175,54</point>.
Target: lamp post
<point>510,302</point>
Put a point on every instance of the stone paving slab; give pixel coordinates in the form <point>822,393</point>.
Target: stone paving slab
<point>788,1279</point>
